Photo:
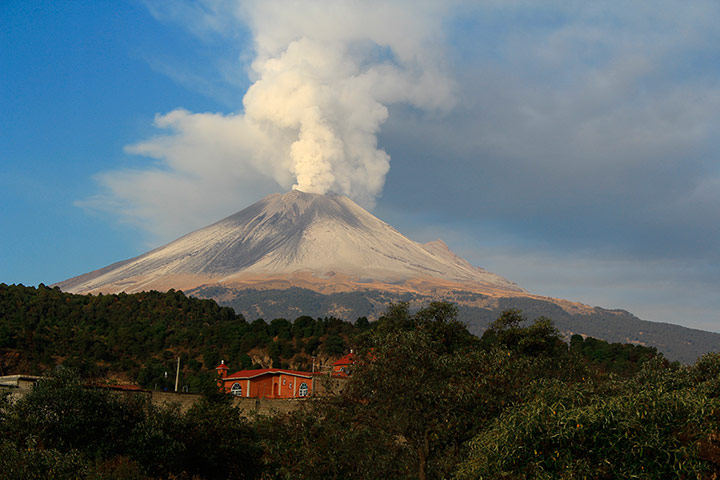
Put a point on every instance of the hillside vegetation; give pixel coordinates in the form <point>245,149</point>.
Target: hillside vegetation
<point>477,311</point>
<point>139,336</point>
<point>426,400</point>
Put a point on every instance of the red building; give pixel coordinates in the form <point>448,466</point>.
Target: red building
<point>343,367</point>
<point>266,383</point>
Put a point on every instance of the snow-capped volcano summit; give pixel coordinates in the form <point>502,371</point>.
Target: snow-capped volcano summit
<point>325,241</point>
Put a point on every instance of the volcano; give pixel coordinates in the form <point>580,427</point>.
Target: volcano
<point>302,253</point>
<point>325,242</point>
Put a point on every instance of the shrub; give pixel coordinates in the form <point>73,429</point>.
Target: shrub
<point>635,431</point>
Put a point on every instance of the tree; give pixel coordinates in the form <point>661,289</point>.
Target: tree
<point>219,443</point>
<point>651,426</point>
<point>362,323</point>
<point>330,439</point>
<point>334,345</point>
<point>62,413</point>
<point>539,338</point>
<point>414,380</point>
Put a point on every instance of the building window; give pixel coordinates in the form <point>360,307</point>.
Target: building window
<point>236,389</point>
<point>303,390</point>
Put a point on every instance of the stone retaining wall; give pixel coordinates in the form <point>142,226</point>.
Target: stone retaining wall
<point>248,406</point>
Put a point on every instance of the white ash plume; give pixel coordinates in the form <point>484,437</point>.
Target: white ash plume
<point>324,75</point>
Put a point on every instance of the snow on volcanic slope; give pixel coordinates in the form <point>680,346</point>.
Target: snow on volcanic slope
<point>287,234</point>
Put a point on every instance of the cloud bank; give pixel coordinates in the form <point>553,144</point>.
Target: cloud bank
<point>323,75</point>
<point>579,128</point>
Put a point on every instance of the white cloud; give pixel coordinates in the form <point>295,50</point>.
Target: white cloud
<point>323,75</point>
<point>586,127</point>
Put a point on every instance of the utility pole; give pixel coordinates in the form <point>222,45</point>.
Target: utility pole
<point>177,375</point>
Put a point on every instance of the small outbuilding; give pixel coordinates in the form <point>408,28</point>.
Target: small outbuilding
<point>343,367</point>
<point>22,382</point>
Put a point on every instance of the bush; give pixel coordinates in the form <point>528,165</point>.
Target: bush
<point>628,431</point>
<point>62,414</point>
<point>325,441</point>
<point>30,462</point>
<point>219,443</point>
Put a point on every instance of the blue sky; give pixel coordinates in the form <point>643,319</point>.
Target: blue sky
<point>571,148</point>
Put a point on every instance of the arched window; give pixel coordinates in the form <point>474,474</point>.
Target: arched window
<point>303,391</point>
<point>236,389</point>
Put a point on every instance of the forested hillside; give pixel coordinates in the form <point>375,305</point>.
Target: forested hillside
<point>426,400</point>
<point>139,336</point>
<point>477,311</point>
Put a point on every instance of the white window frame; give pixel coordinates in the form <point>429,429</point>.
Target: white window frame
<point>236,389</point>
<point>304,386</point>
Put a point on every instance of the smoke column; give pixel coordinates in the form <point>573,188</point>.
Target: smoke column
<point>324,74</point>
<point>327,70</point>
